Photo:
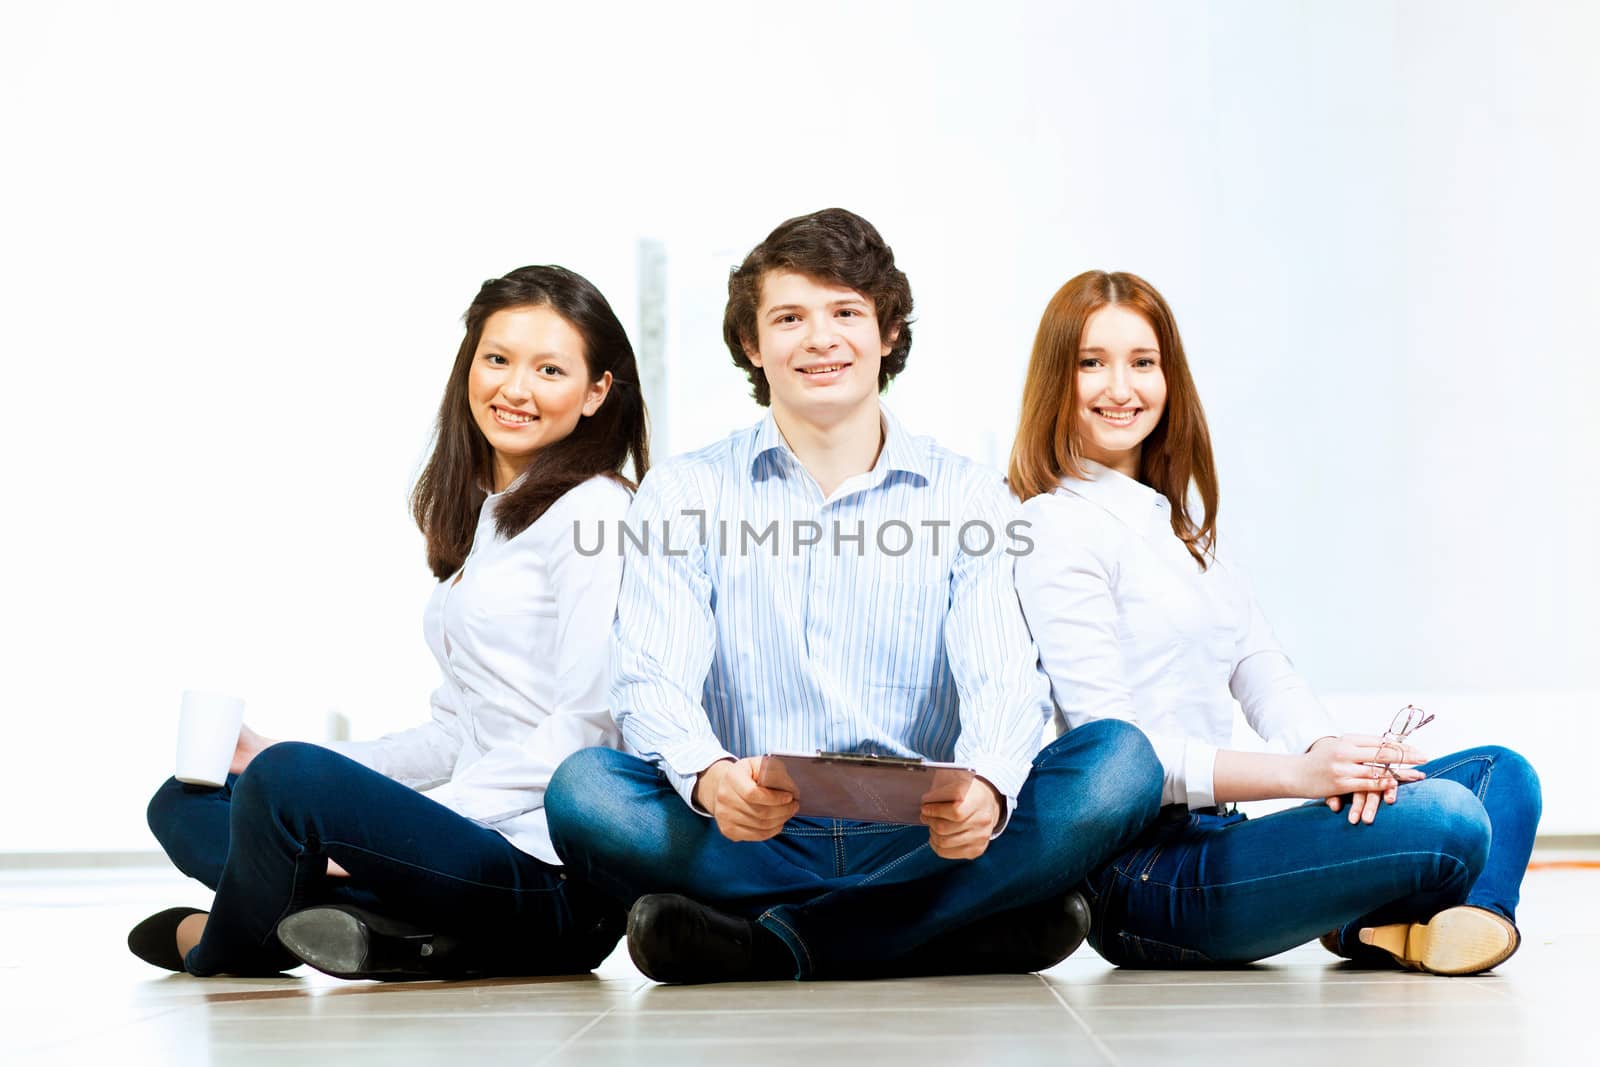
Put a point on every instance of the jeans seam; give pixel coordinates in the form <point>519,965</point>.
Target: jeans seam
<point>808,964</point>
<point>845,831</point>
<point>433,873</point>
<point>1482,785</point>
<point>891,865</point>
<point>1387,856</point>
<point>1138,943</point>
<point>296,901</point>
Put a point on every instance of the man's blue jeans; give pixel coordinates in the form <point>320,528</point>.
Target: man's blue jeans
<point>850,897</point>
<point>263,842</point>
<point>1200,889</point>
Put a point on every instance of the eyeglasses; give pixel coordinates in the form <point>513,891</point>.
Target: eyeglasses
<point>1407,721</point>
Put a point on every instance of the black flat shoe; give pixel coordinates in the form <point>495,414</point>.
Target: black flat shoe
<point>674,939</point>
<point>348,942</point>
<point>1034,937</point>
<point>156,939</point>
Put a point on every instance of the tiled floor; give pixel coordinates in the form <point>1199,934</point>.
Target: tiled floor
<point>72,994</point>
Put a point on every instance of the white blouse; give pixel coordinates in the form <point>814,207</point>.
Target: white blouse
<point>1129,627</point>
<point>522,635</point>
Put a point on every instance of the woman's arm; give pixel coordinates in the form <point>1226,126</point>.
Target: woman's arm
<point>1332,768</point>
<point>1066,591</point>
<point>419,757</point>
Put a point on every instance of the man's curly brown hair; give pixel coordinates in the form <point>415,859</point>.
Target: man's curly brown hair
<point>834,246</point>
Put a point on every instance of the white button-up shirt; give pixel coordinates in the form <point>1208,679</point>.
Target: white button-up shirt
<point>869,620</point>
<point>521,633</point>
<point>1129,627</point>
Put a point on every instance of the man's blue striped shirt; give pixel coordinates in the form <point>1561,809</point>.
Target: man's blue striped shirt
<point>896,630</point>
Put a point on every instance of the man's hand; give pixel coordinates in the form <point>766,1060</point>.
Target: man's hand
<point>743,809</point>
<point>960,829</point>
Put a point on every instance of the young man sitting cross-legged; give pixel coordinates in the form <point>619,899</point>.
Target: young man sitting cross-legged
<point>825,581</point>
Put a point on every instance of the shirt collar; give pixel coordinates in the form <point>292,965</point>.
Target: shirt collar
<point>900,450</point>
<point>768,439</point>
<point>1126,498</point>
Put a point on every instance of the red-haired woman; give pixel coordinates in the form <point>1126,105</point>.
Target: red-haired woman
<point>1137,617</point>
<point>426,853</point>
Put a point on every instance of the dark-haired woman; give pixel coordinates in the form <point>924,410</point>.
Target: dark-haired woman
<point>425,853</point>
<point>1136,617</point>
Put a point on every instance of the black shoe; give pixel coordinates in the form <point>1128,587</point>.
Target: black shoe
<point>348,942</point>
<point>1034,937</point>
<point>673,939</point>
<point>156,939</point>
<point>597,929</point>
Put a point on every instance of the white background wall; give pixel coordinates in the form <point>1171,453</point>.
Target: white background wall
<point>235,244</point>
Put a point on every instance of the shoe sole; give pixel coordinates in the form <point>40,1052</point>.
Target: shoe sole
<point>334,942</point>
<point>1457,941</point>
<point>345,945</point>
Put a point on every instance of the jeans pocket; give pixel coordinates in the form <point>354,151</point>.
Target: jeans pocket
<point>1130,950</point>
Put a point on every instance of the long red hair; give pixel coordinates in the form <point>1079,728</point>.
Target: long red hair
<point>1049,446</point>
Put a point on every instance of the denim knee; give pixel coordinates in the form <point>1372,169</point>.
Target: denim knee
<point>283,775</point>
<point>1512,772</point>
<point>164,813</point>
<point>582,792</point>
<point>1125,779</point>
<point>1446,819</point>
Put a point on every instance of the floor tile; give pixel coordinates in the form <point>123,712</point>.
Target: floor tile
<point>65,970</point>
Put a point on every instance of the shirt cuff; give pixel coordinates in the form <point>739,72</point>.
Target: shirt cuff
<point>1007,776</point>
<point>1199,775</point>
<point>683,763</point>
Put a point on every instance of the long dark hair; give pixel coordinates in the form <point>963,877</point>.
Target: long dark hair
<point>451,489</point>
<point>1049,446</point>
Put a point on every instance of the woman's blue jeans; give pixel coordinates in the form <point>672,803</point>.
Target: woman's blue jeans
<point>849,897</point>
<point>263,842</point>
<point>1211,889</point>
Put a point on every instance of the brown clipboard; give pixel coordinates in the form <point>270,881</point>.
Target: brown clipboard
<point>867,788</point>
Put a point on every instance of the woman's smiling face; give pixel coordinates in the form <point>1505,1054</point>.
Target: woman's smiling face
<point>529,385</point>
<point>1121,391</point>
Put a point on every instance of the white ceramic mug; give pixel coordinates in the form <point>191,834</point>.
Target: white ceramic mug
<point>208,731</point>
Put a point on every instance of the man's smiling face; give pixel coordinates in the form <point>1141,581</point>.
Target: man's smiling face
<point>819,345</point>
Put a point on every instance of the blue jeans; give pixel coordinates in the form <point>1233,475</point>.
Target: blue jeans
<point>263,841</point>
<point>1198,889</point>
<point>849,897</point>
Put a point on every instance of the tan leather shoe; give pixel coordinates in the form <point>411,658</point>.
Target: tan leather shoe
<point>1460,940</point>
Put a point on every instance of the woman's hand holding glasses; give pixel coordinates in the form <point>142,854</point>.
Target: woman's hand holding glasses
<point>1362,771</point>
